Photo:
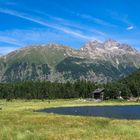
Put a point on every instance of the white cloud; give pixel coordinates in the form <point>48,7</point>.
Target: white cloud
<point>45,23</point>
<point>7,49</point>
<point>9,40</point>
<point>97,20</point>
<point>60,31</point>
<point>68,23</point>
<point>130,27</point>
<point>123,18</point>
<point>14,44</point>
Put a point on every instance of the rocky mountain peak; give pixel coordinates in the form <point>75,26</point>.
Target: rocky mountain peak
<point>110,46</point>
<point>128,48</point>
<point>110,43</point>
<point>92,45</point>
<point>95,61</point>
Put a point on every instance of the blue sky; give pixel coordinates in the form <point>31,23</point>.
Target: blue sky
<point>69,22</point>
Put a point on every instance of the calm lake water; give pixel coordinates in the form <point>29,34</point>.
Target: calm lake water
<point>130,112</point>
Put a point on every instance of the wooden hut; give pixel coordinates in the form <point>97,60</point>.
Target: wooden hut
<point>98,94</point>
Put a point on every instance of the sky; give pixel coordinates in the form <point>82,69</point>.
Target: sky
<point>68,22</point>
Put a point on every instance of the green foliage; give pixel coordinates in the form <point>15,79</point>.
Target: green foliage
<point>126,88</point>
<point>46,90</point>
<point>22,71</point>
<point>74,67</point>
<point>38,55</point>
<point>77,67</point>
<point>129,87</point>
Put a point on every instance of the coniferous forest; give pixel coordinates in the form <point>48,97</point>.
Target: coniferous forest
<point>46,90</point>
<point>129,87</point>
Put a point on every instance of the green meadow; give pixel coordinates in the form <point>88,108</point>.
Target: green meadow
<point>18,121</point>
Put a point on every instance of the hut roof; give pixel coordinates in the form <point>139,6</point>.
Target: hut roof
<point>98,90</point>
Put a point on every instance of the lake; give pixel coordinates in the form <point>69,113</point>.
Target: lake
<point>130,112</point>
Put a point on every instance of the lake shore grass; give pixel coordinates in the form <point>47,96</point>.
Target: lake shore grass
<point>18,121</point>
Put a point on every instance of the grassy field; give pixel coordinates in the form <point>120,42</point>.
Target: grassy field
<point>19,122</point>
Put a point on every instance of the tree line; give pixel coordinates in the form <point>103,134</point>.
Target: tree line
<point>46,90</point>
<point>127,87</point>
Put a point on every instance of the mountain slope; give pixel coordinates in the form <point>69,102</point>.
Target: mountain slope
<point>95,61</point>
<point>127,87</point>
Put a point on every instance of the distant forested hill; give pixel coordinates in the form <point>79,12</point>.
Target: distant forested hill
<point>129,86</point>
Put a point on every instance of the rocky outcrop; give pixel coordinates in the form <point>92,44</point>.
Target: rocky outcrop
<point>95,61</point>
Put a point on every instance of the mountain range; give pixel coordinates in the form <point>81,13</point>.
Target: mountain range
<point>95,61</point>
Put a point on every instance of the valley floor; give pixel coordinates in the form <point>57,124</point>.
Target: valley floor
<point>19,122</point>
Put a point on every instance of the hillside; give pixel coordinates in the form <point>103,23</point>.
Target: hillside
<point>133,83</point>
<point>95,61</point>
<point>127,87</point>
